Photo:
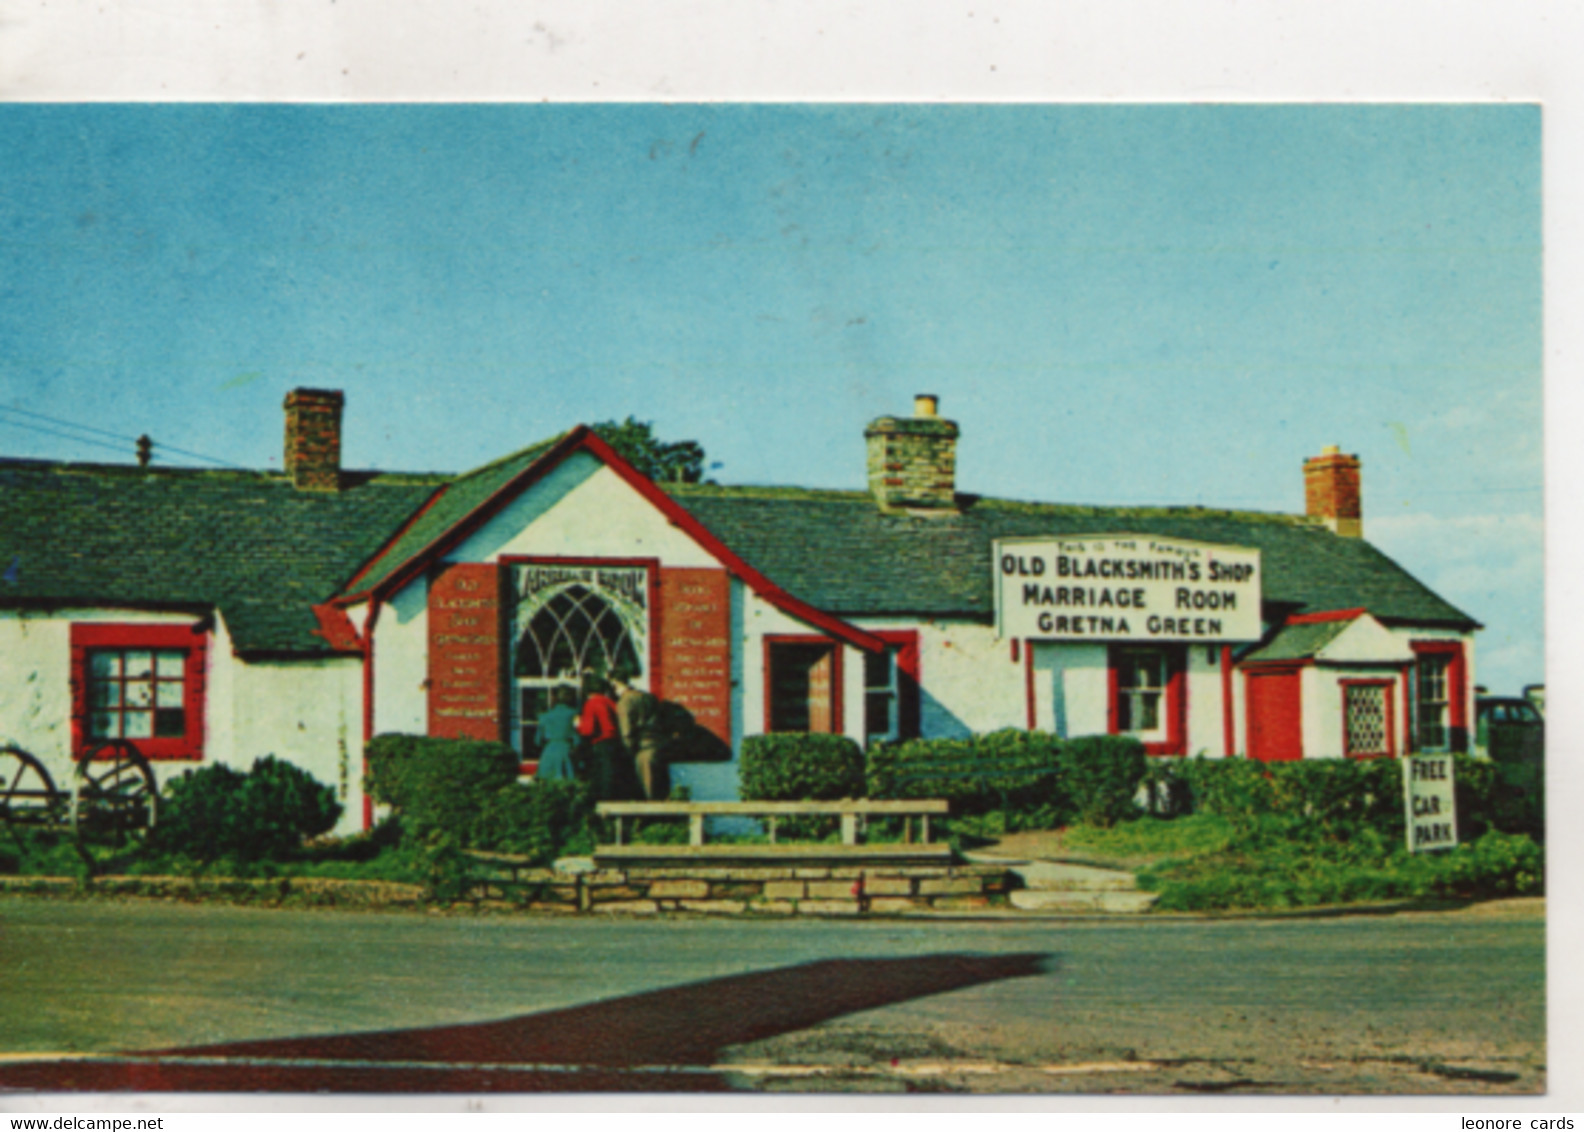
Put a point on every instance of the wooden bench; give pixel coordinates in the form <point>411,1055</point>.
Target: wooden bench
<point>850,812</point>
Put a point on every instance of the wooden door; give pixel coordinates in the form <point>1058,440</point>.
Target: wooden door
<point>1275,716</point>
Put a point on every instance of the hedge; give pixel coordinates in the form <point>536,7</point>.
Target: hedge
<point>1334,798</point>
<point>438,786</point>
<point>797,767</point>
<point>217,811</point>
<point>542,821</point>
<point>1010,771</point>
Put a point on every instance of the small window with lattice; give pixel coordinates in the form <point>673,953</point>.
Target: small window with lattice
<point>1367,712</point>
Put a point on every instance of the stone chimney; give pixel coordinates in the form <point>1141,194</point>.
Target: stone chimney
<point>313,439</point>
<point>913,460</point>
<point>1331,491</point>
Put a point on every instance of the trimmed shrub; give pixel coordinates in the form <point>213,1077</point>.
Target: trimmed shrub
<point>796,767</point>
<point>438,786</point>
<point>1010,772</point>
<point>1100,774</point>
<point>543,821</point>
<point>216,811</point>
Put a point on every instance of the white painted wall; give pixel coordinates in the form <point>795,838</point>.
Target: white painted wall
<point>1206,710</point>
<point>582,508</point>
<point>401,662</point>
<point>1322,707</point>
<point>307,712</point>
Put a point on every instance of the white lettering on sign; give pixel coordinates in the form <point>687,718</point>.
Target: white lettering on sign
<point>1430,799</point>
<point>1126,588</point>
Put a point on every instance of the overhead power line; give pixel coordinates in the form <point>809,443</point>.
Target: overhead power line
<point>159,445</point>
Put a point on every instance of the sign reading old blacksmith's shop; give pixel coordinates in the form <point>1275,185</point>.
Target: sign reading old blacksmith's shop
<point>1127,588</point>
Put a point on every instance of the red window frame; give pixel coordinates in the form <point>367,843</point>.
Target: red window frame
<point>838,685</point>
<point>1174,705</point>
<point>1388,684</point>
<point>86,638</point>
<point>1457,691</point>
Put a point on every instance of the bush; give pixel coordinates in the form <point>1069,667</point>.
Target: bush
<point>1010,772</point>
<point>787,767</point>
<point>217,811</point>
<point>1100,774</point>
<point>438,786</point>
<point>543,821</point>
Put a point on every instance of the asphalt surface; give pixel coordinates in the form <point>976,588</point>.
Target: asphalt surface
<point>156,996</point>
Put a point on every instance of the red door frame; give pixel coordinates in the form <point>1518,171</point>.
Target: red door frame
<point>838,685</point>
<point>1293,710</point>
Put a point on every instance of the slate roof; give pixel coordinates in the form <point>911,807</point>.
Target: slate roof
<point>457,499</point>
<point>838,551</point>
<point>264,553</point>
<point>1297,642</point>
<point>248,543</point>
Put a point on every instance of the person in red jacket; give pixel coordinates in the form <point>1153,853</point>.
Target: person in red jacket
<point>598,725</point>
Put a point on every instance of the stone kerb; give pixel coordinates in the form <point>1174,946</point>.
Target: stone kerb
<point>789,891</point>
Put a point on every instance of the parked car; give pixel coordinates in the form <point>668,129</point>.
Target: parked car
<point>1511,732</point>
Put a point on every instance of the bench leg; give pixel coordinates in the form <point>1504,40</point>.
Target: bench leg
<point>924,821</point>
<point>695,829</point>
<point>619,830</point>
<point>849,829</point>
<point>772,822</point>
<point>907,830</point>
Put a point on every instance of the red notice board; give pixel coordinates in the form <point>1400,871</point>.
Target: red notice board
<point>694,667</point>
<point>464,652</point>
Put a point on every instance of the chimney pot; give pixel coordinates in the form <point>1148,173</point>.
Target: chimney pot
<point>313,438</point>
<point>926,405</point>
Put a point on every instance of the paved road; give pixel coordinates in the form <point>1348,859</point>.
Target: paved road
<point>1424,1002</point>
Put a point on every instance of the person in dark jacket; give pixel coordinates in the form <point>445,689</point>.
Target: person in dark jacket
<point>638,717</point>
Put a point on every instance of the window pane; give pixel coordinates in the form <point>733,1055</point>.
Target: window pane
<point>139,725</point>
<point>877,670</point>
<point>101,664</point>
<point>170,723</point>
<point>1366,719</point>
<point>168,694</point>
<point>104,725</point>
<point>104,694</point>
<point>139,664</point>
<point>877,713</point>
<point>1149,711</point>
<point>139,694</point>
<point>170,664</point>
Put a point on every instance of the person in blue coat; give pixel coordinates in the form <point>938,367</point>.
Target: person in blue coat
<point>557,733</point>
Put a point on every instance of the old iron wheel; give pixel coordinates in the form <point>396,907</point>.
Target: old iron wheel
<point>27,792</point>
<point>113,789</point>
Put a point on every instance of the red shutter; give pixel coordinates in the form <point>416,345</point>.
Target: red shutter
<point>465,662</point>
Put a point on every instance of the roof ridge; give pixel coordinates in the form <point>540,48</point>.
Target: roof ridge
<point>540,445</point>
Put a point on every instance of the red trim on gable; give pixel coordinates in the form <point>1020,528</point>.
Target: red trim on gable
<point>390,542</point>
<point>368,705</point>
<point>193,639</point>
<point>584,438</point>
<point>1327,615</point>
<point>337,629</point>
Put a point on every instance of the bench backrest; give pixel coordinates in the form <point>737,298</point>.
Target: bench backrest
<point>867,806</point>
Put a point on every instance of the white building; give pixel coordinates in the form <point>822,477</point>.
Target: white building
<point>223,616</point>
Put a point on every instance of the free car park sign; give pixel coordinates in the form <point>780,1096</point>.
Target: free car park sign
<point>1126,588</point>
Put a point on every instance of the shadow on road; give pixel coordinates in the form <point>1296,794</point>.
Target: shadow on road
<point>647,1042</point>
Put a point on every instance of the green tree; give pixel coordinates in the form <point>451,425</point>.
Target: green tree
<point>680,461</point>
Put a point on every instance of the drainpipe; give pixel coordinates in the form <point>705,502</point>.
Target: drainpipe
<point>368,706</point>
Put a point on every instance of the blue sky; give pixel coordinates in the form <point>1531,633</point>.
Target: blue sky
<point>1119,304</point>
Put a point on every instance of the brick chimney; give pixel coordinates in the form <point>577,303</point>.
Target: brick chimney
<point>913,460</point>
<point>313,438</point>
<point>1331,491</point>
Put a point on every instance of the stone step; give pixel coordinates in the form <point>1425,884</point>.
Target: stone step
<point>1057,876</point>
<point>1114,902</point>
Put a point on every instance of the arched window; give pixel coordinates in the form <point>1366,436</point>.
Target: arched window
<point>576,629</point>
